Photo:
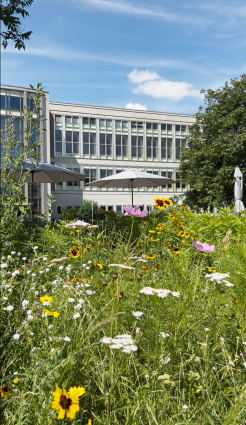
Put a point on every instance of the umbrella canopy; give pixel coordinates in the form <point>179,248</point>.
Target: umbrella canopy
<point>40,172</point>
<point>238,190</point>
<point>131,179</point>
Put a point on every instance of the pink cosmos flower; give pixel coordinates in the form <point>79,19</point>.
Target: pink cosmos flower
<point>203,247</point>
<point>129,211</point>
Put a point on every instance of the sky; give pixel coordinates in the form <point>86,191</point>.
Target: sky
<point>136,54</point>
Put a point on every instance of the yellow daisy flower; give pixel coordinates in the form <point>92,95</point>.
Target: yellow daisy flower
<point>46,299</point>
<point>154,240</point>
<point>176,250</point>
<point>16,381</point>
<point>52,313</point>
<point>67,402</point>
<point>5,391</point>
<point>151,231</point>
<point>98,266</point>
<point>167,202</point>
<point>150,257</point>
<point>74,253</point>
<point>159,203</point>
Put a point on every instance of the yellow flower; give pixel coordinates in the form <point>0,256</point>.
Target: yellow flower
<point>67,403</point>
<point>89,422</point>
<point>154,240</point>
<point>145,222</point>
<point>45,299</point>
<point>98,266</point>
<point>151,231</point>
<point>74,253</point>
<point>150,257</point>
<point>212,270</point>
<point>159,227</point>
<point>167,202</point>
<point>159,203</point>
<point>5,391</point>
<point>52,313</point>
<point>16,381</point>
<point>176,250</point>
<point>144,267</point>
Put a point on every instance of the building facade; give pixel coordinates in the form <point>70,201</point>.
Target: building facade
<point>98,142</point>
<point>101,141</point>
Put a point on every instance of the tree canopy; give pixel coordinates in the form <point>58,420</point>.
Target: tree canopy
<point>10,13</point>
<point>216,145</point>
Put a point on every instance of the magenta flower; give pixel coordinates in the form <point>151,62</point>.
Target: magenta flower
<point>203,247</point>
<point>129,211</point>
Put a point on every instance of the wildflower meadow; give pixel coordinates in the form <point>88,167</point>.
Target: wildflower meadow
<point>136,319</point>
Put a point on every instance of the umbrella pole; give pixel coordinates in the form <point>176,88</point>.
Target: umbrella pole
<point>132,191</point>
<point>32,199</point>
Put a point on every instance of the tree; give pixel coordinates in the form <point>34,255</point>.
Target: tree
<point>216,145</point>
<point>8,11</point>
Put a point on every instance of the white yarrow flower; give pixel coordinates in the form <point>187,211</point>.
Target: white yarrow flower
<point>24,258</point>
<point>16,336</point>
<point>76,316</point>
<point>71,300</point>
<point>90,292</point>
<point>9,308</point>
<point>163,334</point>
<point>185,407</point>
<point>24,304</point>
<point>61,267</point>
<point>4,265</point>
<point>67,339</point>
<point>29,317</point>
<point>107,340</point>
<point>137,314</point>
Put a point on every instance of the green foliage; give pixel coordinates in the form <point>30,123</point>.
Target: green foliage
<point>9,12</point>
<point>208,164</point>
<point>199,364</point>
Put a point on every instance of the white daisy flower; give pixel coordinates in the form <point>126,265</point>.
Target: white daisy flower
<point>137,314</point>
<point>67,339</point>
<point>76,316</point>
<point>16,336</point>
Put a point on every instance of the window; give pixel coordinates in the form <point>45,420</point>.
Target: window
<point>72,143</point>
<point>133,124</point>
<point>68,120</point>
<point>105,144</point>
<point>152,188</point>
<point>180,144</point>
<point>58,142</point>
<point>137,147</point>
<point>30,104</point>
<point>69,207</point>
<point>183,128</point>
<point>124,124</point>
<point>118,124</point>
<point>103,207</point>
<point>105,172</point>
<point>169,127</point>
<point>149,126</point>
<point>16,102</point>
<point>89,144</point>
<point>177,128</point>
<point>59,210</point>
<point>166,148</point>
<point>163,127</point>
<point>58,118</point>
<point>118,208</point>
<point>101,122</point>
<point>90,175</point>
<point>109,123</point>
<point>154,126</point>
<point>73,185</point>
<point>110,208</point>
<point>3,103</point>
<point>121,146</point>
<point>85,121</point>
<point>169,175</point>
<point>152,148</point>
<point>76,120</point>
<point>140,125</point>
<point>92,121</point>
<point>179,185</point>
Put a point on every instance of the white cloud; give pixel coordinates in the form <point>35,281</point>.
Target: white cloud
<point>136,106</point>
<point>137,77</point>
<point>151,84</point>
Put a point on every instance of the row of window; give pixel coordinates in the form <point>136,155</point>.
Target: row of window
<point>119,123</point>
<point>14,102</point>
<point>93,173</point>
<point>117,209</point>
<point>121,146</point>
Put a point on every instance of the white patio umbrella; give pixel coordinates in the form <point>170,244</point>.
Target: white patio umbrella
<point>238,190</point>
<point>130,179</point>
<point>40,172</point>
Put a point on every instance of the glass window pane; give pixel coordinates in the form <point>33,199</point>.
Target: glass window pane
<point>109,123</point>
<point>183,128</point>
<point>149,142</point>
<point>101,122</point>
<point>92,121</point>
<point>154,126</point>
<point>58,135</point>
<point>87,173</point>
<point>76,120</point>
<point>140,125</point>
<point>163,127</point>
<point>124,124</point>
<point>68,136</point>
<point>14,102</point>
<point>118,124</point>
<point>3,121</point>
<point>86,143</point>
<point>177,127</point>
<point>133,124</point>
<point>109,173</point>
<point>109,144</point>
<point>2,105</point>
<point>102,144</point>
<point>58,146</point>
<point>93,174</point>
<point>169,127</point>
<point>68,147</point>
<point>85,120</point>
<point>75,137</point>
<point>75,148</point>
<point>68,120</point>
<point>148,126</point>
<point>102,173</point>
<point>58,118</point>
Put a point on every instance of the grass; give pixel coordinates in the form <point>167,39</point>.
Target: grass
<point>194,375</point>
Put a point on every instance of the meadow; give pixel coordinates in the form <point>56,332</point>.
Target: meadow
<point>125,321</point>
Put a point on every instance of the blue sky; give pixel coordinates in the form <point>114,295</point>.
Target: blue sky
<point>151,55</point>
